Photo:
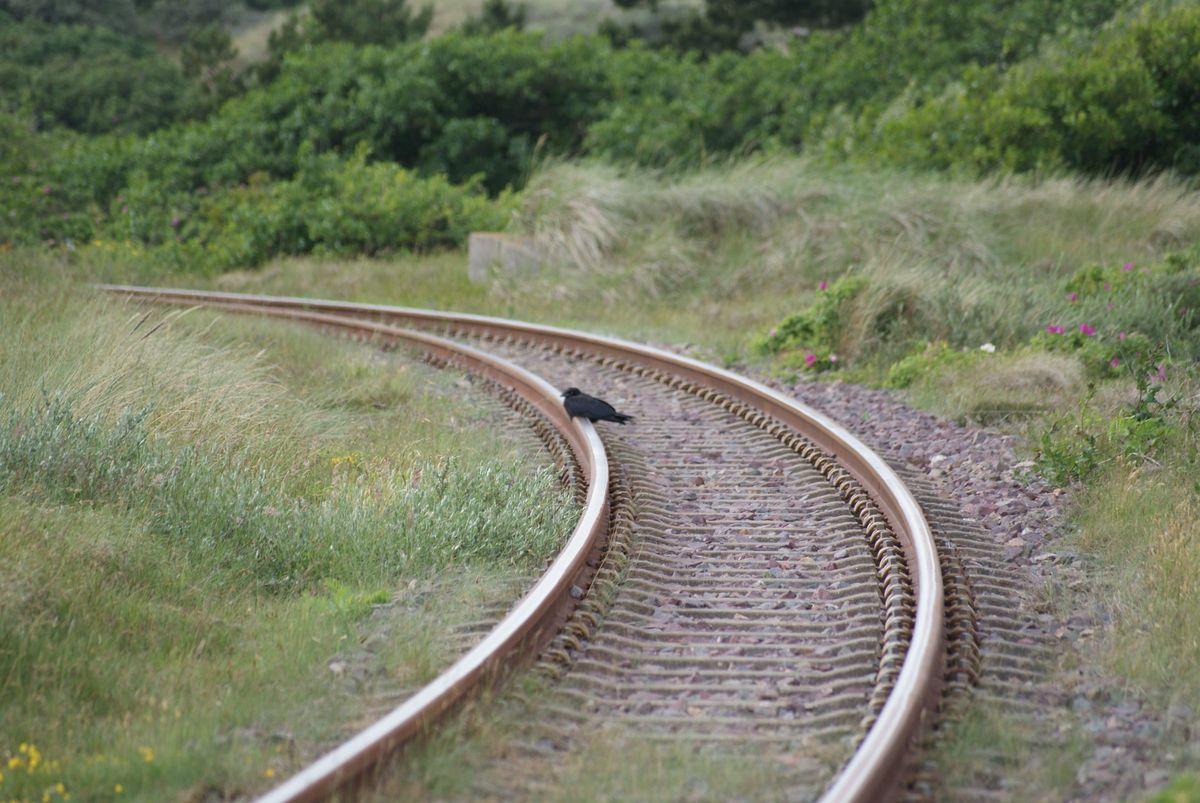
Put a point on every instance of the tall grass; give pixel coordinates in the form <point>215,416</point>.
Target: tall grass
<point>1142,527</point>
<point>810,221</point>
<point>197,517</point>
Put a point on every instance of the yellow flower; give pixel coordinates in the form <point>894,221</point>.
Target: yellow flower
<point>1,777</point>
<point>118,789</point>
<point>147,754</point>
<point>14,762</point>
<point>58,787</point>
<point>269,773</point>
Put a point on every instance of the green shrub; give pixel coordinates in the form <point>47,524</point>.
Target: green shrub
<point>1122,102</point>
<point>92,80</point>
<point>1078,446</point>
<point>928,360</point>
<point>811,337</point>
<point>677,111</point>
<point>330,207</point>
<point>1119,319</point>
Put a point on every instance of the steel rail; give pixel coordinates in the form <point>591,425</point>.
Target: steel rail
<point>878,765</point>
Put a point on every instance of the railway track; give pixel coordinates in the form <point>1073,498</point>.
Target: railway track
<point>746,573</point>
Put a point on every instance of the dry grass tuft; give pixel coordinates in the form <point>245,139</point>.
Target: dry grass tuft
<point>1001,389</point>
<point>109,358</point>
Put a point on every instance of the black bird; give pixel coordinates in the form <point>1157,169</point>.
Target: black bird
<point>579,404</point>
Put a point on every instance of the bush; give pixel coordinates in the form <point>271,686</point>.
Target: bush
<point>1078,446</point>
<point>1125,102</point>
<point>679,111</point>
<point>929,360</point>
<point>813,336</point>
<point>91,80</point>
<point>331,207</point>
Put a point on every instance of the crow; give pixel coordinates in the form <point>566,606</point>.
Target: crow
<point>579,404</point>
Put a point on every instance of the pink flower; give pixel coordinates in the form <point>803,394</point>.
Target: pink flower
<point>45,189</point>
<point>1073,297</point>
<point>1128,266</point>
<point>1114,362</point>
<point>175,221</point>
<point>1121,335</point>
<point>1107,286</point>
<point>1109,306</point>
<point>1087,330</point>
<point>822,285</point>
<point>810,359</point>
<point>772,332</point>
<point>1161,373</point>
<point>1056,330</point>
<point>833,358</point>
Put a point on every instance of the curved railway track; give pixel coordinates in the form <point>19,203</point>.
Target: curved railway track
<point>765,579</point>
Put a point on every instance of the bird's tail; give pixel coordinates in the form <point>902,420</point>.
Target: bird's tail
<point>621,418</point>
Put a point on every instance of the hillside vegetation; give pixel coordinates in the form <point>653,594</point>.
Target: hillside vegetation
<point>1100,88</point>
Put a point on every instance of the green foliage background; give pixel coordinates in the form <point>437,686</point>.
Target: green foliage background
<point>107,138</point>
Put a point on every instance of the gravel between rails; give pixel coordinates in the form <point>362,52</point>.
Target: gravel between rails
<point>745,621</point>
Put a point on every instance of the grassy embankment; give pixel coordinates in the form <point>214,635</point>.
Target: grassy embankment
<point>717,258</point>
<point>199,525</point>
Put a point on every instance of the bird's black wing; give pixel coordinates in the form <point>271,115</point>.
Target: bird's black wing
<point>587,406</point>
<point>600,408</point>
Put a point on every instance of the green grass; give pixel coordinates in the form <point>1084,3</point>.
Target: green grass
<point>1140,525</point>
<point>199,517</point>
<point>987,743</point>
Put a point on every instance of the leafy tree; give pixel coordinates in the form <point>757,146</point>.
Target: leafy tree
<point>121,15</point>
<point>92,79</point>
<point>496,15</point>
<point>368,22</point>
<point>207,57</point>
<point>358,22</point>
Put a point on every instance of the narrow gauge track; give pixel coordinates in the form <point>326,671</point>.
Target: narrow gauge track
<point>806,610</point>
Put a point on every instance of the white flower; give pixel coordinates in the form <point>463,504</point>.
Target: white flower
<point>988,347</point>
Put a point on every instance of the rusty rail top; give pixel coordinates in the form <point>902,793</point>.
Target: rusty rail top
<point>877,766</point>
